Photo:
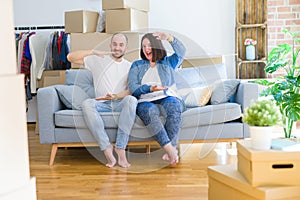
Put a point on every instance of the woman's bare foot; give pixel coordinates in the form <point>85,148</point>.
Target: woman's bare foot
<point>171,156</point>
<point>165,157</point>
<point>122,160</point>
<point>111,160</point>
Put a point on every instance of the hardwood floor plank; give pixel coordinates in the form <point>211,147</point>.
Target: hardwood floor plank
<point>76,174</point>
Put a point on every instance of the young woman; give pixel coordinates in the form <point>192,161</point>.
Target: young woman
<point>151,81</point>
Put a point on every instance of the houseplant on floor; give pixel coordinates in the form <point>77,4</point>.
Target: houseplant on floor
<point>261,116</point>
<point>285,89</point>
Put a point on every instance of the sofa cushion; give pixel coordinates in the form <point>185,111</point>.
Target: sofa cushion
<point>74,118</point>
<point>224,90</point>
<point>72,96</point>
<point>194,83</point>
<point>82,78</point>
<point>193,97</point>
<point>192,117</point>
<point>199,76</point>
<point>211,114</point>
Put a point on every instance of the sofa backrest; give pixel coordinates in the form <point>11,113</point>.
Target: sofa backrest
<point>185,78</point>
<point>200,76</point>
<point>82,78</point>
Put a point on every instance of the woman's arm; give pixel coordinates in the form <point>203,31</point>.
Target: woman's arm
<point>135,86</point>
<point>177,57</point>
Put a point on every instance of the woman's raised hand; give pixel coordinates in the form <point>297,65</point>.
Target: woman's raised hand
<point>161,35</point>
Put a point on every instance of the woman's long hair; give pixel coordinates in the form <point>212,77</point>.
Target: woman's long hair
<point>158,50</point>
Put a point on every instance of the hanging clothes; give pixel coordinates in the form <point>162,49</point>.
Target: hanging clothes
<point>37,45</point>
<point>26,58</point>
<point>40,51</point>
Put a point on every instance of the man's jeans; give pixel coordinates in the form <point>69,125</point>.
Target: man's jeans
<point>171,108</point>
<point>127,109</point>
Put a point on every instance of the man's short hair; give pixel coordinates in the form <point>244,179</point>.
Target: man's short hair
<point>126,38</point>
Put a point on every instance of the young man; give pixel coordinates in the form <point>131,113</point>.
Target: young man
<point>110,72</point>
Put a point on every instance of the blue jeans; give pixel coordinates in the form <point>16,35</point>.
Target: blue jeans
<point>171,108</point>
<point>127,109</point>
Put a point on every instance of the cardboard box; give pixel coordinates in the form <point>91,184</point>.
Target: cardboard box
<point>101,41</point>
<point>125,20</point>
<point>225,182</point>
<point>268,167</point>
<point>81,21</point>
<point>201,61</point>
<point>52,77</point>
<point>118,4</point>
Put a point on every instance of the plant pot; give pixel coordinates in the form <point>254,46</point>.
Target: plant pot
<point>261,137</point>
<point>250,52</point>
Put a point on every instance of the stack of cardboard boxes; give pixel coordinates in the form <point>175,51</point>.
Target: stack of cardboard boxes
<point>127,16</point>
<point>259,175</point>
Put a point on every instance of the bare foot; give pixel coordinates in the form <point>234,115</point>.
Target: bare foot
<point>165,157</point>
<point>171,156</point>
<point>111,160</point>
<point>122,160</point>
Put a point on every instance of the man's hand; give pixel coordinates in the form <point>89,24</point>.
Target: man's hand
<point>107,97</point>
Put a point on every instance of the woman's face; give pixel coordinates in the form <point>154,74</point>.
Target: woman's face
<point>147,49</point>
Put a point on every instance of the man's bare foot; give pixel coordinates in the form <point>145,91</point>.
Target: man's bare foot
<point>122,160</point>
<point>111,160</point>
<point>171,156</point>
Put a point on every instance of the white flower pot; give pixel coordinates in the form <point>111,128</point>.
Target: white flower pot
<point>261,137</point>
<point>250,52</point>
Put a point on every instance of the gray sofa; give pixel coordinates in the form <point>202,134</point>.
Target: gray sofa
<point>60,120</point>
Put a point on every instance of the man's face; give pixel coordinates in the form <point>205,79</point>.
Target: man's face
<point>118,46</point>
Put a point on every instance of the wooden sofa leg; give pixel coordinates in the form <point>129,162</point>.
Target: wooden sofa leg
<point>148,148</point>
<point>179,150</point>
<point>53,154</point>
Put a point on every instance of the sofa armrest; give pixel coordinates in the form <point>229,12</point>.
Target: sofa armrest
<point>48,103</point>
<point>246,93</point>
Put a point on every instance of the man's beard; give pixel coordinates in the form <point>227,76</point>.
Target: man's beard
<point>115,56</point>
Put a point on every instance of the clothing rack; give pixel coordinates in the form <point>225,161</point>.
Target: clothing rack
<point>21,28</point>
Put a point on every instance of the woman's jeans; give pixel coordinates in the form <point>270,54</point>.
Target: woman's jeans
<point>127,109</point>
<point>171,108</point>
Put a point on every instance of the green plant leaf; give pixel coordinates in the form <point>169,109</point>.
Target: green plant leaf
<point>263,82</point>
<point>285,90</point>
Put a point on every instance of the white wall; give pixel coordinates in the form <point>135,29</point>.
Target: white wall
<point>48,12</point>
<point>210,24</point>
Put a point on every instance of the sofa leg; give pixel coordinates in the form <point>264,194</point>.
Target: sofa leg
<point>148,148</point>
<point>53,154</point>
<point>179,150</point>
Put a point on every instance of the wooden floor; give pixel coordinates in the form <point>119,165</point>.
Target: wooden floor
<point>77,174</point>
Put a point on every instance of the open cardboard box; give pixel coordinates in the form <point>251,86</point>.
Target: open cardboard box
<point>226,183</point>
<point>272,167</point>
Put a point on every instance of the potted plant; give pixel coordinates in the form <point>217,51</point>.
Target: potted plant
<point>285,89</point>
<point>261,116</point>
